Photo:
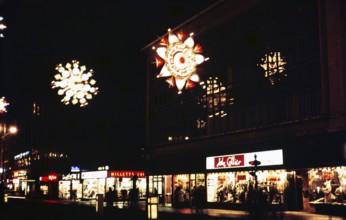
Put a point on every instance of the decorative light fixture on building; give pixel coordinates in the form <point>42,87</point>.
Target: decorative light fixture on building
<point>75,83</point>
<point>3,104</point>
<point>215,97</point>
<point>180,56</point>
<point>273,65</point>
<point>2,27</point>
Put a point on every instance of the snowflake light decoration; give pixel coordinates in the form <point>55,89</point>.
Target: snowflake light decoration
<point>75,83</point>
<point>273,65</point>
<point>180,56</point>
<point>3,104</point>
<point>2,27</point>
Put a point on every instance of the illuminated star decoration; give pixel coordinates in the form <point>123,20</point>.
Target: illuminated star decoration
<point>273,65</point>
<point>3,104</point>
<point>2,27</point>
<point>74,83</point>
<point>180,56</point>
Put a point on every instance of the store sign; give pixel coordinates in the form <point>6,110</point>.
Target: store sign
<point>70,176</point>
<point>21,155</point>
<point>126,173</point>
<point>267,158</point>
<point>19,173</point>
<point>75,169</point>
<point>50,178</point>
<point>94,174</point>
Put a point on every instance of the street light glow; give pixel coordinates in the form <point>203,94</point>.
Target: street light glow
<point>13,130</point>
<point>74,83</point>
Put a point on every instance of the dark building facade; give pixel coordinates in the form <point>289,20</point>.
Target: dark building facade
<point>273,86</point>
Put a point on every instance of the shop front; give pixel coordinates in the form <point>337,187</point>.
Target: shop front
<point>175,189</point>
<point>94,182</point>
<point>233,180</point>
<point>326,189</point>
<point>20,184</point>
<point>70,186</point>
<point>49,187</point>
<point>125,180</point>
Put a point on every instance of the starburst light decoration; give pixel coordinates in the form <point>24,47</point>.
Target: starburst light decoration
<point>2,27</point>
<point>3,104</point>
<point>74,83</point>
<point>180,56</point>
<point>274,66</point>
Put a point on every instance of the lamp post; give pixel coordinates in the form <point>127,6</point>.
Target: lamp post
<point>5,132</point>
<point>255,163</point>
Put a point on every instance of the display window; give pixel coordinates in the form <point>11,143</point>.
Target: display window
<point>235,187</point>
<point>181,187</point>
<point>327,185</point>
<point>77,187</point>
<point>91,187</point>
<point>161,186</point>
<point>64,189</point>
<point>44,189</point>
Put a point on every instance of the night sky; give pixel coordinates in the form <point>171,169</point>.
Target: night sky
<point>106,36</point>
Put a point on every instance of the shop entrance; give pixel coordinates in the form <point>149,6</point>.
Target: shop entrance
<point>158,189</point>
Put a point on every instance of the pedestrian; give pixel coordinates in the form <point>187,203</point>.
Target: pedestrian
<point>114,196</point>
<point>108,197</point>
<point>199,197</point>
<point>123,195</point>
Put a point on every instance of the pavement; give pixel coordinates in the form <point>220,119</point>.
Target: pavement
<point>72,209</point>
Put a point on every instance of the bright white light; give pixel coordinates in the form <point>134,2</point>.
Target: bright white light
<point>180,56</point>
<point>74,83</point>
<point>3,104</point>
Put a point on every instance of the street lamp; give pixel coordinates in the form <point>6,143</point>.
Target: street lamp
<point>5,132</point>
<point>255,163</point>
<point>11,130</point>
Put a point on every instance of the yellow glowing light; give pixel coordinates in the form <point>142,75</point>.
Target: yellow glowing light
<point>215,97</point>
<point>76,84</point>
<point>273,64</point>
<point>180,56</point>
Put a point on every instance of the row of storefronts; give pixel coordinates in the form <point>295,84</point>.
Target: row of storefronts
<point>228,179</point>
<point>277,186</point>
<point>92,183</point>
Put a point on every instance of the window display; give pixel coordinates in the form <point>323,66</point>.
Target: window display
<point>235,187</point>
<point>327,185</point>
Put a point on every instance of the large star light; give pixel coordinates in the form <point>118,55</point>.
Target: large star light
<point>74,83</point>
<point>3,104</point>
<point>180,56</point>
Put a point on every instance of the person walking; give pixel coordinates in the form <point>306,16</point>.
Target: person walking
<point>108,197</point>
<point>199,197</point>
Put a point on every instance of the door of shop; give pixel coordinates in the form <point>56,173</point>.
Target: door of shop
<point>158,184</point>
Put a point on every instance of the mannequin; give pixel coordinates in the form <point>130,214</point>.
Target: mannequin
<point>327,190</point>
